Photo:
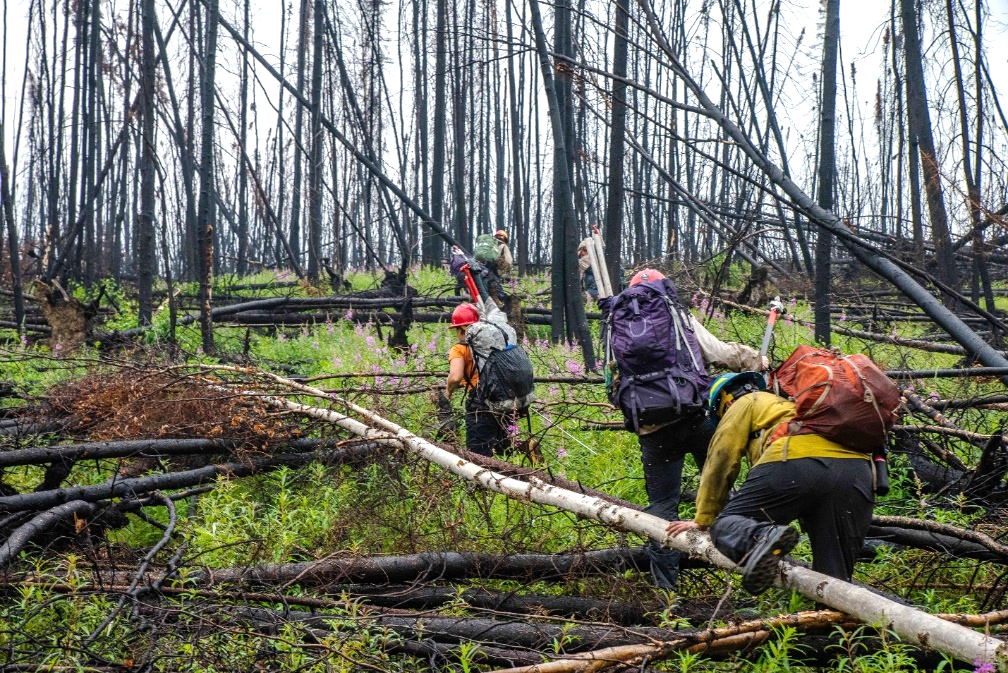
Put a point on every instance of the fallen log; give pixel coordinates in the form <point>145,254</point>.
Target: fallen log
<point>981,539</point>
<point>576,607</point>
<point>732,638</point>
<point>134,486</point>
<point>431,566</point>
<point>494,632</point>
<point>952,545</point>
<point>39,524</point>
<point>908,623</point>
<point>147,448</point>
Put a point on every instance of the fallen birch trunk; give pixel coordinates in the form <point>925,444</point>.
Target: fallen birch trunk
<point>910,624</point>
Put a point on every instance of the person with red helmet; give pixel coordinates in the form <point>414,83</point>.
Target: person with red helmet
<point>485,431</point>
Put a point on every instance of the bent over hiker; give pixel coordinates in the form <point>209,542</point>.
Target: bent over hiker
<point>656,354</point>
<point>826,486</point>
<point>495,372</point>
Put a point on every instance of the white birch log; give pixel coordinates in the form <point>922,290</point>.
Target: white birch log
<point>910,624</point>
<point>593,261</point>
<point>603,264</point>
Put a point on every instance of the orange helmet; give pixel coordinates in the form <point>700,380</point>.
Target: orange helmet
<point>464,315</point>
<point>646,274</point>
<point>501,235</point>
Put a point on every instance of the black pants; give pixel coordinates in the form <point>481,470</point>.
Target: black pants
<point>485,430</point>
<point>831,498</point>
<point>663,453</point>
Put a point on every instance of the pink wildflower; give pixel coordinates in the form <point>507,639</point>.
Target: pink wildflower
<point>561,452</point>
<point>983,666</point>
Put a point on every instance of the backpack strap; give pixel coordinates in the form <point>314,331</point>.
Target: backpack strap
<point>680,331</point>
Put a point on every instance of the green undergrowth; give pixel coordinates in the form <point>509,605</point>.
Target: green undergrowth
<point>399,505</point>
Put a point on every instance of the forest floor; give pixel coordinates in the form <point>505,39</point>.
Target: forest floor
<point>289,544</point>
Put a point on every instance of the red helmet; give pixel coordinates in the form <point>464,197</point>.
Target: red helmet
<point>464,315</point>
<point>501,235</point>
<point>646,274</point>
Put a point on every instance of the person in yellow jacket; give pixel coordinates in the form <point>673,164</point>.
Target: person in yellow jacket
<point>823,485</point>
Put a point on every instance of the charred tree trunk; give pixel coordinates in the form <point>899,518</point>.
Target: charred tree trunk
<point>520,224</point>
<point>295,216</point>
<point>827,169</point>
<point>438,160</point>
<point>315,167</point>
<point>145,218</point>
<point>205,223</point>
<point>243,214</point>
<point>566,288</point>
<point>614,199</point>
<point>920,125</point>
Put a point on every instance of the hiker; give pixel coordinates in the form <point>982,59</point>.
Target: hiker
<point>588,284</point>
<point>487,252</point>
<point>659,351</point>
<point>504,259</point>
<point>826,486</point>
<point>495,373</point>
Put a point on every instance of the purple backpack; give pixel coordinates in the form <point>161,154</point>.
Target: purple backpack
<point>660,375</point>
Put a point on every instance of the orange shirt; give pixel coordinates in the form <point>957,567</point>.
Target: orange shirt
<point>471,376</point>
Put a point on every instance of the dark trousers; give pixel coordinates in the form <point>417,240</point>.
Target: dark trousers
<point>485,431</point>
<point>662,454</point>
<point>831,498</point>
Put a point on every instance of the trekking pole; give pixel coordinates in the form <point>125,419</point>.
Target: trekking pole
<point>776,308</point>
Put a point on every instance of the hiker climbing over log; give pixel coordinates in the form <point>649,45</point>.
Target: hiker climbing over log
<point>494,370</point>
<point>656,356</point>
<point>814,458</point>
<point>494,255</point>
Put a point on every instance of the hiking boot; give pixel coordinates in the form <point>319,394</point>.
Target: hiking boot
<point>760,567</point>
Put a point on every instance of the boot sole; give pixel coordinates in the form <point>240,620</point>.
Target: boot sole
<point>759,573</point>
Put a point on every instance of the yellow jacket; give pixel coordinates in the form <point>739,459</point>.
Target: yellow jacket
<point>745,427</point>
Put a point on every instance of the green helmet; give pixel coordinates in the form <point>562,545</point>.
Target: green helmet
<point>730,386</point>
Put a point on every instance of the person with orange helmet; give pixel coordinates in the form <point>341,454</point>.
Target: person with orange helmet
<point>504,259</point>
<point>485,431</point>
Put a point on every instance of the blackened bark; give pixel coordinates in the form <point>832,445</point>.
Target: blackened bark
<point>145,218</point>
<point>243,228</point>
<point>438,160</point>
<point>315,165</point>
<point>12,234</point>
<point>205,223</point>
<point>920,124</point>
<point>568,294</point>
<point>295,216</point>
<point>614,202</point>
<point>827,169</point>
<point>520,223</point>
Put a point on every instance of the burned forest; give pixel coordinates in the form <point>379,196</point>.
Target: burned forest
<point>644,335</point>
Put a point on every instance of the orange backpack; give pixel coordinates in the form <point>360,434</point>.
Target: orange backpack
<point>844,398</point>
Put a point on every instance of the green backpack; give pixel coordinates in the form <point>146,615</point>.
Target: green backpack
<point>486,250</point>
